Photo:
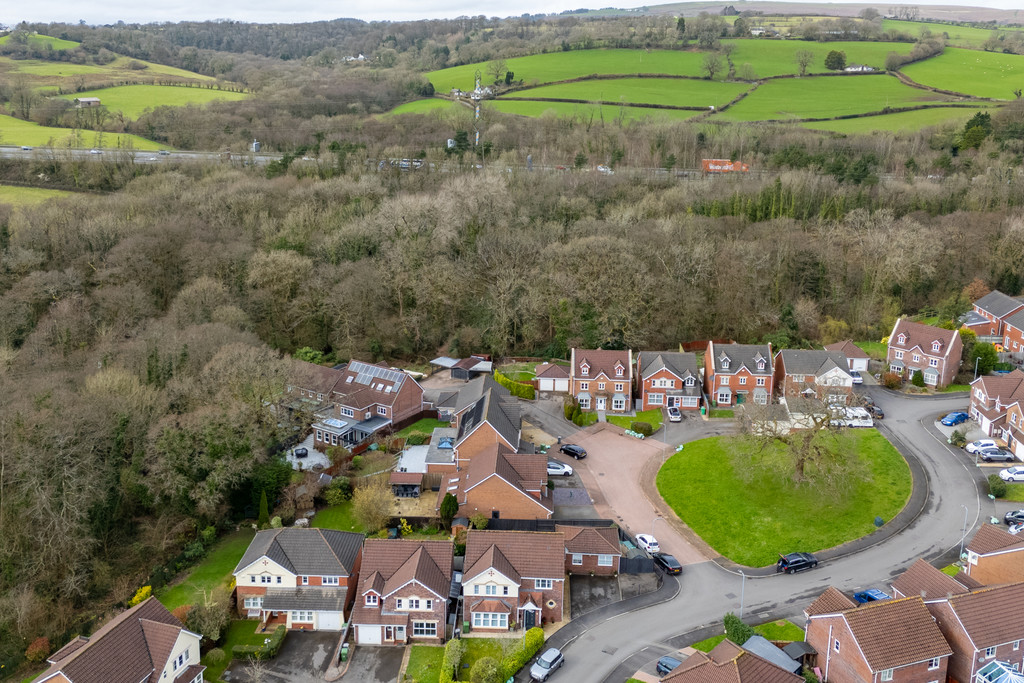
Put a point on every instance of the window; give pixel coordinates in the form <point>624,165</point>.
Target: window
<point>760,365</point>
<point>936,345</point>
<point>319,435</point>
<point>584,369</point>
<point>371,600</point>
<point>934,663</point>
<point>1016,645</point>
<point>600,386</point>
<point>266,579</point>
<point>655,399</point>
<point>254,603</point>
<point>618,370</point>
<point>619,404</point>
<point>760,381</point>
<point>835,645</point>
<point>585,403</point>
<point>382,410</point>
<point>305,580</point>
<point>743,381</point>
<point>725,363</point>
<point>886,675</point>
<point>414,603</point>
<point>278,579</point>
<point>476,589</point>
<point>898,354</point>
<point>489,620</point>
<point>901,339</point>
<point>334,439</point>
<point>543,584</point>
<point>577,559</point>
<point>329,580</point>
<point>933,362</point>
<point>348,412</point>
<point>490,589</point>
<point>916,358</point>
<point>180,660</point>
<point>427,629</point>
<point>302,616</point>
<point>724,397</point>
<point>990,652</point>
<point>319,397</point>
<point>604,560</point>
<point>584,386</point>
<point>252,578</point>
<point>398,603</point>
<point>725,381</point>
<point>618,386</point>
<point>689,381</point>
<point>428,604</point>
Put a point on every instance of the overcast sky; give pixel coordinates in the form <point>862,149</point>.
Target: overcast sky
<point>266,11</point>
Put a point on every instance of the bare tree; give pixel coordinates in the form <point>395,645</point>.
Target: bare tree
<point>256,669</point>
<point>497,68</point>
<point>803,59</point>
<point>711,65</point>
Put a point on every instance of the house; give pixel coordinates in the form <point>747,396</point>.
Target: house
<point>493,419</point>
<point>668,379</point>
<point>403,592</point>
<point>991,397</point>
<point>1013,333</point>
<point>552,377</point>
<point>498,482</point>
<point>144,643</point>
<point>310,385</point>
<point>602,380</point>
<point>302,578</point>
<point>887,640</point>
<point>591,550</point>
<point>1013,431</point>
<point>366,399</point>
<point>765,649</point>
<point>813,374</point>
<point>729,663</point>
<point>87,102</point>
<point>856,358</point>
<point>733,373</point>
<point>923,580</point>
<point>858,68</point>
<point>513,579</point>
<point>465,368</point>
<point>990,312</point>
<point>932,350</point>
<point>995,556</point>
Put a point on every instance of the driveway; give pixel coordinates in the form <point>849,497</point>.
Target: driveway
<point>370,664</point>
<point>304,658</point>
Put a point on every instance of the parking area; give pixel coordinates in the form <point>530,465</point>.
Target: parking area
<point>587,593</point>
<point>374,665</point>
<point>304,658</point>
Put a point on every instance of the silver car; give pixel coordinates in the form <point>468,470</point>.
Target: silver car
<point>546,664</point>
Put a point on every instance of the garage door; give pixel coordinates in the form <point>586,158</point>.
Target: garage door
<point>546,384</point>
<point>562,385</point>
<point>368,635</point>
<point>329,621</point>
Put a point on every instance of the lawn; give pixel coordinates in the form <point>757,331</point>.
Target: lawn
<point>752,522</point>
<point>37,41</point>
<point>901,121</point>
<point>426,426</point>
<point>950,570</point>
<point>773,630</point>
<point>651,417</point>
<point>29,196</point>
<point>240,632</point>
<point>425,663</point>
<point>587,112</point>
<point>961,36</point>
<point>427,106</point>
<point>1014,492</point>
<point>876,350</point>
<point>477,648</point>
<point>214,570</point>
<point>801,98</point>
<point>519,372</point>
<point>722,412</point>
<point>17,132</point>
<point>133,100</point>
<point>954,388</point>
<point>776,57</point>
<point>676,92</point>
<point>337,517</point>
<point>983,74</point>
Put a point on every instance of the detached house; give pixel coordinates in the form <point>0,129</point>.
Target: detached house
<point>403,593</point>
<point>729,663</point>
<point>1013,430</point>
<point>500,483</point>
<point>302,578</point>
<point>513,578</point>
<point>932,350</point>
<point>591,550</point>
<point>493,418</point>
<point>923,580</point>
<point>813,374</point>
<point>602,380</point>
<point>145,644</point>
<point>995,556</point>
<point>856,358</point>
<point>668,380</point>
<point>737,373</point>
<point>1013,333</point>
<point>991,398</point>
<point>990,313</point>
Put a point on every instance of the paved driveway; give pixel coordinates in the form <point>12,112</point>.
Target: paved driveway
<point>374,665</point>
<point>304,658</point>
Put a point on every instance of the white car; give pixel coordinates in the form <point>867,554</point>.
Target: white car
<point>95,151</point>
<point>648,543</point>
<point>675,415</point>
<point>558,469</point>
<point>1012,473</point>
<point>1016,528</point>
<point>975,446</point>
<point>857,379</point>
<point>605,170</point>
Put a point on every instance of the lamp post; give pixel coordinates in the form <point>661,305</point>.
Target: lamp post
<point>743,587</point>
<point>654,521</point>
<point>976,367</point>
<point>964,534</point>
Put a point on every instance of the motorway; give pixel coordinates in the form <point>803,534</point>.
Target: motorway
<point>616,648</point>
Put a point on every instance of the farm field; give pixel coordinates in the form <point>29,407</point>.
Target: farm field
<point>904,120</point>
<point>960,36</point>
<point>65,77</point>
<point>38,41</point>
<point>425,106</point>
<point>776,57</point>
<point>982,74</point>
<point>133,100</point>
<point>670,91</point>
<point>797,98</point>
<point>17,132</point>
<point>587,111</point>
<point>28,196</point>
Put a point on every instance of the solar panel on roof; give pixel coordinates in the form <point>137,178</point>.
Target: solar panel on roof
<point>365,374</point>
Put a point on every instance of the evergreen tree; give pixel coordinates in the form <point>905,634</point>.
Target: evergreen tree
<point>263,521</point>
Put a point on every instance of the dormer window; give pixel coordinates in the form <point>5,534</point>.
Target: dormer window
<point>618,370</point>
<point>371,599</point>
<point>760,365</point>
<point>584,369</point>
<point>689,381</point>
<point>901,339</point>
<point>725,363</point>
<point>936,345</point>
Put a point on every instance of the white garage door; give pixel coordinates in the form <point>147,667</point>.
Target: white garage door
<point>562,385</point>
<point>546,384</point>
<point>368,635</point>
<point>329,621</point>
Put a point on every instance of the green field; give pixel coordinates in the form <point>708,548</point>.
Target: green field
<point>214,570</point>
<point>17,132</point>
<point>133,100</point>
<point>961,36</point>
<point>38,41</point>
<point>776,57</point>
<point>904,120</point>
<point>426,106</point>
<point>29,196</point>
<point>751,521</point>
<point>799,98</point>
<point>651,417</point>
<point>670,91</point>
<point>982,74</point>
<point>587,111</point>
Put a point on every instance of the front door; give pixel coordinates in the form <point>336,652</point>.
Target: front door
<point>389,633</point>
<point>601,403</point>
<point>400,634</point>
<point>529,619</point>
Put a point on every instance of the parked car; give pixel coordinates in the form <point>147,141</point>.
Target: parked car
<point>1012,473</point>
<point>572,450</point>
<point>164,152</point>
<point>955,418</point>
<point>667,663</point>
<point>975,446</point>
<point>997,455</point>
<point>546,664</point>
<point>796,562</point>
<point>301,452</point>
<point>26,148</point>
<point>648,543</point>
<point>875,412</point>
<point>558,469</point>
<point>866,398</point>
<point>857,379</point>
<point>1014,517</point>
<point>870,595</point>
<point>95,151</point>
<point>675,415</point>
<point>1016,528</point>
<point>667,562</point>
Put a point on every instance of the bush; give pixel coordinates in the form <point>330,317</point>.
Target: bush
<point>140,595</point>
<point>193,551</point>
<point>453,652</point>
<point>517,389</point>
<point>216,656</point>
<point>208,535</point>
<point>917,379</point>
<point>415,440</point>
<point>486,670</point>
<point>275,522</point>
<point>533,641</point>
<point>449,508</point>
<point>644,428</point>
<point>958,438</point>
<point>181,612</point>
<point>268,650</point>
<point>996,486</point>
<point>38,650</point>
<point>736,629</point>
<point>892,380</point>
<point>569,408</point>
<point>810,677</point>
<point>357,462</point>
<point>339,491</point>
<point>479,521</point>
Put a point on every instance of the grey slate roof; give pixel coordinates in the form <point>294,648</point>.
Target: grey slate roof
<point>1016,320</point>
<point>498,408</point>
<point>764,649</point>
<point>812,362</point>
<point>743,355</point>
<point>305,598</point>
<point>682,365</point>
<point>997,303</point>
<point>303,552</point>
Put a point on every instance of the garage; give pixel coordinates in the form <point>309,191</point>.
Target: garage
<point>368,634</point>
<point>329,621</point>
<point>552,378</point>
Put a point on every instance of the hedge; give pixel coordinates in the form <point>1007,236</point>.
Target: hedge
<point>517,389</point>
<point>533,641</point>
<point>453,652</point>
<point>268,650</point>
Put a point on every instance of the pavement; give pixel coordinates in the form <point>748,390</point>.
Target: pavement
<point>370,664</point>
<point>304,658</point>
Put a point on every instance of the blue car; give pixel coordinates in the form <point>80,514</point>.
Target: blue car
<point>870,595</point>
<point>955,418</point>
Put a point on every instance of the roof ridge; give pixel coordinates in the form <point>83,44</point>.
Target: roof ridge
<point>333,554</point>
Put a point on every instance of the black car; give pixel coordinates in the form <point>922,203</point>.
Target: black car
<point>573,451</point>
<point>667,663</point>
<point>1014,517</point>
<point>668,563</point>
<point>875,412</point>
<point>796,562</point>
<point>996,455</point>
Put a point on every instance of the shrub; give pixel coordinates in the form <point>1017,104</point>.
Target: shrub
<point>194,550</point>
<point>404,528</point>
<point>644,428</point>
<point>415,440</point>
<point>268,650</point>
<point>140,595</point>
<point>958,438</point>
<point>996,486</point>
<point>517,389</point>
<point>533,641</point>
<point>811,677</point>
<point>216,656</point>
<point>264,517</point>
<point>181,612</point>
<point>736,629</point>
<point>275,522</point>
<point>38,650</point>
<point>569,408</point>
<point>339,491</point>
<point>449,508</point>
<point>357,462</point>
<point>918,379</point>
<point>453,652</point>
<point>892,380</point>
<point>208,535</point>
<point>486,670</point>
<point>479,521</point>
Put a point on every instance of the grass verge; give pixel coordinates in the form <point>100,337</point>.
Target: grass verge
<point>425,663</point>
<point>954,387</point>
<point>722,412</point>
<point>1014,492</point>
<point>651,417</point>
<point>213,571</point>
<point>773,630</point>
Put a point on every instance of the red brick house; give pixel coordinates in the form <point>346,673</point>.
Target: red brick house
<point>500,483</point>
<point>513,577</point>
<point>932,350</point>
<point>144,643</point>
<point>1013,333</point>
<point>729,663</point>
<point>923,580</point>
<point>736,373</point>
<point>990,312</point>
<point>995,556</point>
<point>591,550</point>
<point>403,592</point>
<point>887,640</point>
<point>856,358</point>
<point>493,418</point>
<point>991,396</point>
<point>813,374</point>
<point>302,578</point>
<point>1013,430</point>
<point>668,380</point>
<point>602,380</point>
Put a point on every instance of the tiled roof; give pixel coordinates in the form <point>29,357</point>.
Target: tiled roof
<point>304,552</point>
<point>127,649</point>
<point>1007,388</point>
<point>534,554</point>
<point>305,598</point>
<point>409,478</point>
<point>968,581</point>
<point>848,349</point>
<point>992,615</point>
<point>922,336</point>
<point>422,568</point>
<point>742,356</point>
<point>894,633</point>
<point>1016,320</point>
<point>682,365</point>
<point>991,538</point>
<point>812,361</point>
<point>388,562</point>
<point>830,602</point>
<point>997,303</point>
<point>364,384</point>
<point>498,606</point>
<point>492,558</point>
<point>601,361</point>
<point>523,471</point>
<point>551,370</point>
<point>590,540</point>
<point>313,377</point>
<point>190,673</point>
<point>923,580</point>
<point>729,663</point>
<point>498,408</point>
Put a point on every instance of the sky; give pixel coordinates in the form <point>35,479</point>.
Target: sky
<point>271,11</point>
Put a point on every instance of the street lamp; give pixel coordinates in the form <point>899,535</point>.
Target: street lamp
<point>743,587</point>
<point>654,521</point>
<point>964,534</point>
<point>976,367</point>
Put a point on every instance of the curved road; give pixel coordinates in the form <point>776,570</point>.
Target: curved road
<point>616,648</point>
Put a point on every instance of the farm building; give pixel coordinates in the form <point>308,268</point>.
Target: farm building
<point>86,102</point>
